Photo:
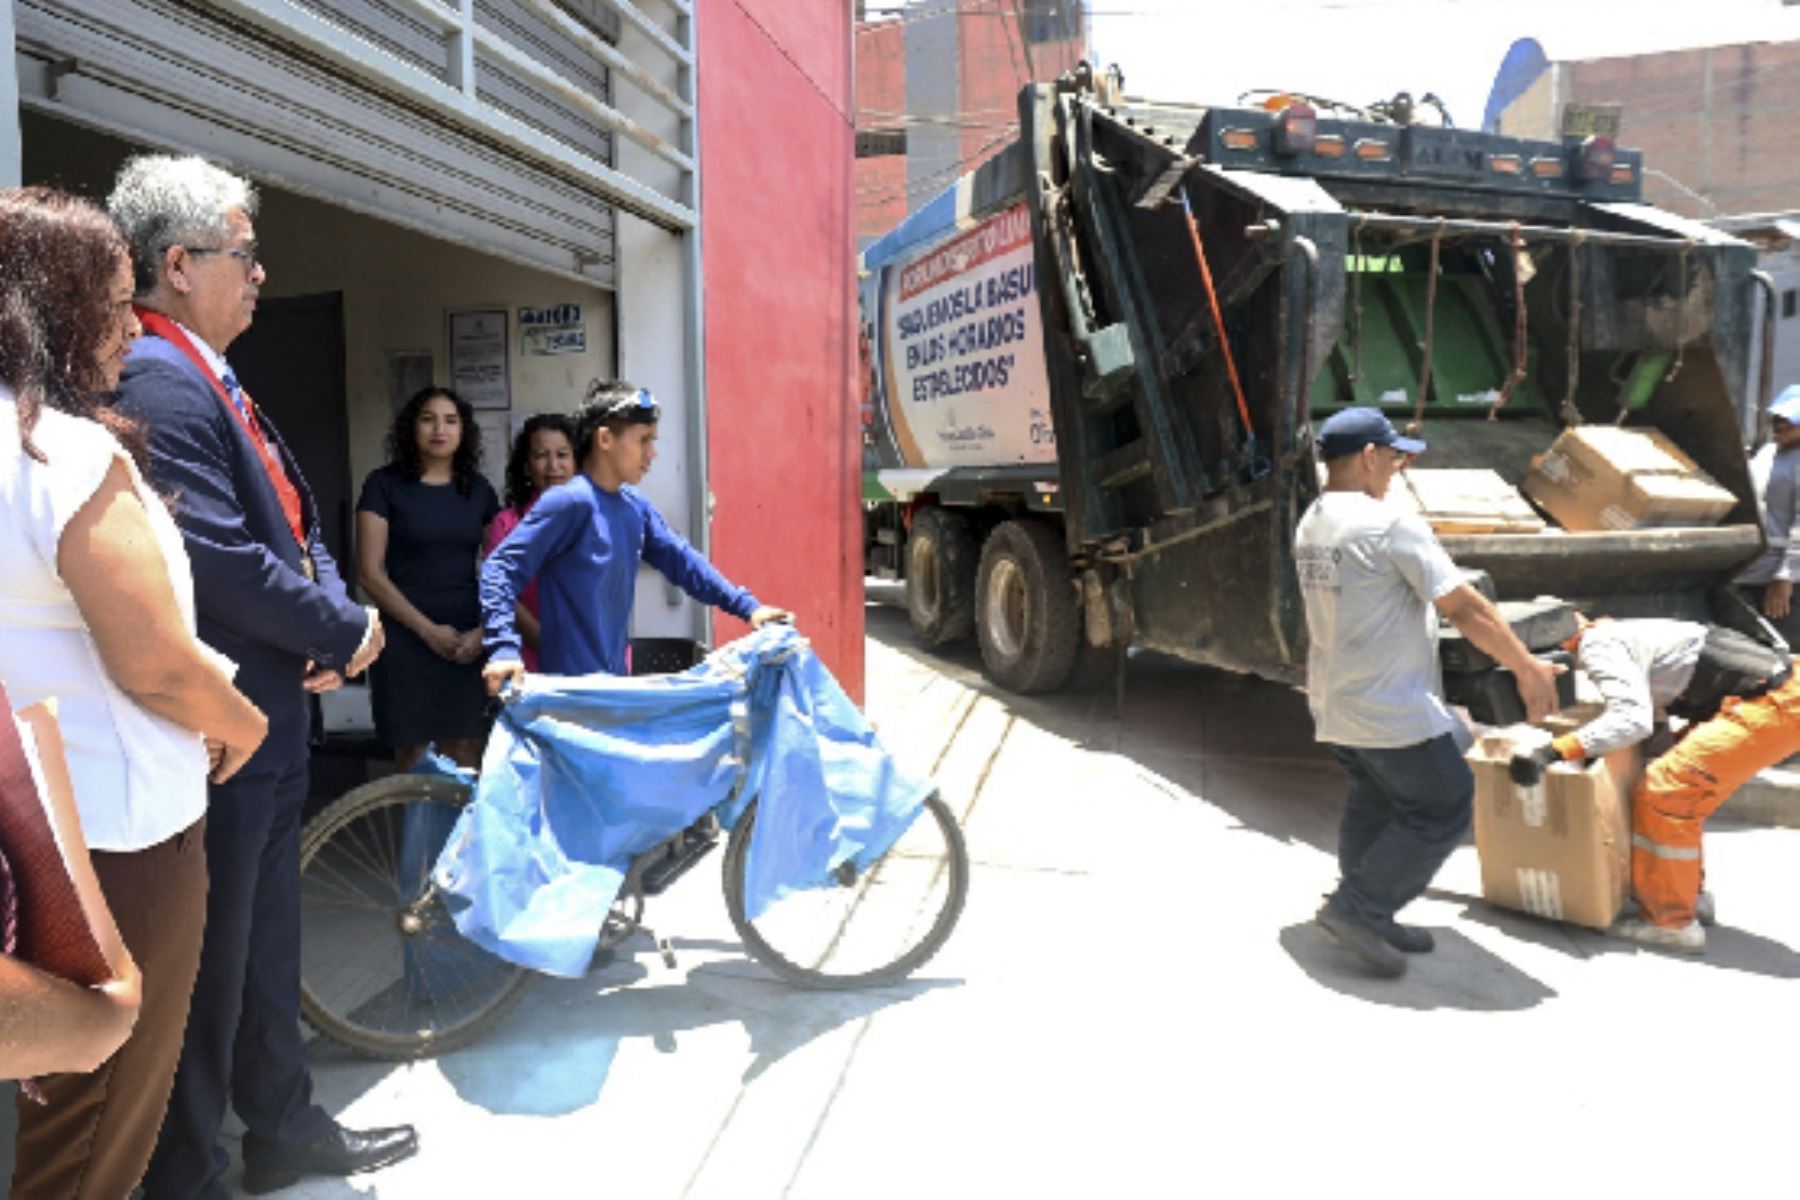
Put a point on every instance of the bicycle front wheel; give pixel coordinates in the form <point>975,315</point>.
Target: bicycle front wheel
<point>383,969</point>
<point>863,929</point>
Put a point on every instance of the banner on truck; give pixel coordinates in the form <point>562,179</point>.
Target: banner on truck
<point>961,351</point>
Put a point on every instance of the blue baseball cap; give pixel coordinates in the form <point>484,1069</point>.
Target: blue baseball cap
<point>1787,405</point>
<point>1347,432</point>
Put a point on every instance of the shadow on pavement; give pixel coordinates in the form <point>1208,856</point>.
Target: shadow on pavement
<point>553,1055</point>
<point>1459,974</point>
<point>1234,741</point>
<point>1726,948</point>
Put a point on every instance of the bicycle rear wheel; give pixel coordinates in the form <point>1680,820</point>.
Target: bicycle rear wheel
<point>383,969</point>
<point>867,928</point>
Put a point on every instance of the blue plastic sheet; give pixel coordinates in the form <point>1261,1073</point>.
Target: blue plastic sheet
<point>582,773</point>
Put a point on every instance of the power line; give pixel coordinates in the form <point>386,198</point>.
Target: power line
<point>887,118</point>
<point>1005,31</point>
<point>1018,8</point>
<point>938,179</point>
<point>999,10</point>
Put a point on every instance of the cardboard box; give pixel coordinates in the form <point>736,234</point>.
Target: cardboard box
<point>1469,500</point>
<point>1561,849</point>
<point>1601,478</point>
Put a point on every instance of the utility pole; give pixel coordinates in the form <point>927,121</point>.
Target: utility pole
<point>1018,7</point>
<point>10,150</point>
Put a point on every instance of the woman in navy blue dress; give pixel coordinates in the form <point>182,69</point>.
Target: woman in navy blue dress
<point>419,530</point>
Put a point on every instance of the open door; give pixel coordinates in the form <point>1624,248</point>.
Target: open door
<point>292,361</point>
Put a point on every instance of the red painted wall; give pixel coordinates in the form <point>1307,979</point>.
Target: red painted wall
<point>776,148</point>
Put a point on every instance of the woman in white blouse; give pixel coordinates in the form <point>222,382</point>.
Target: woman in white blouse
<point>96,610</point>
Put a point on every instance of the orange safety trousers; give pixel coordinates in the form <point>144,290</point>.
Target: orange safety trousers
<point>1685,786</point>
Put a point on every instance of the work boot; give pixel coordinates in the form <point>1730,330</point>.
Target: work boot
<point>1363,940</point>
<point>1408,939</point>
<point>1684,939</point>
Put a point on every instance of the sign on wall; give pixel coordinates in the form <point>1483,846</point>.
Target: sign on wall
<point>409,372</point>
<point>556,329</point>
<point>478,367</point>
<point>1591,120</point>
<point>495,430</point>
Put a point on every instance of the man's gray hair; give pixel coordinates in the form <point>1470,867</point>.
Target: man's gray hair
<point>161,200</point>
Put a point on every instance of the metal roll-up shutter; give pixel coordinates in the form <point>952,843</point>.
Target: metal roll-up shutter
<point>213,80</point>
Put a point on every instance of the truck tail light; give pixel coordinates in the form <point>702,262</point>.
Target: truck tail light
<point>1547,167</point>
<point>1505,164</point>
<point>1621,173</point>
<point>1296,129</point>
<point>1238,138</point>
<point>1373,150</point>
<point>1594,160</point>
<point>1328,145</point>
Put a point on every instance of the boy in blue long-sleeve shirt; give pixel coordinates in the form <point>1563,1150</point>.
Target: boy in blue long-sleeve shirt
<point>582,542</point>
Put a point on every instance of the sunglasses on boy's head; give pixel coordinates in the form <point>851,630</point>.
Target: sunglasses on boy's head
<point>639,403</point>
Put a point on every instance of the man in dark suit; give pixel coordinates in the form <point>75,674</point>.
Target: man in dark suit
<point>270,598</point>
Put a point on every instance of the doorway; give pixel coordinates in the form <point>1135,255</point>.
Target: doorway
<point>292,361</point>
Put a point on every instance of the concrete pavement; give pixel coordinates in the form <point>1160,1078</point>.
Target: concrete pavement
<point>1135,1004</point>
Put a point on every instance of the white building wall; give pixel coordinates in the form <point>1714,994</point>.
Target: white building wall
<point>1785,267</point>
<point>9,101</point>
<point>398,286</point>
<point>653,350</point>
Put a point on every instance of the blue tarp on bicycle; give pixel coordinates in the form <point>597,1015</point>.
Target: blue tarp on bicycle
<point>582,773</point>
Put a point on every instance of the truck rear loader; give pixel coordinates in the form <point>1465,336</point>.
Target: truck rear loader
<point>1094,365</point>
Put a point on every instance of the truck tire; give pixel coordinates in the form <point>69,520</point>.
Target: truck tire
<point>940,576</point>
<point>1027,620</point>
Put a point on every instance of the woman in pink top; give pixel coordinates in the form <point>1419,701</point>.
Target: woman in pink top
<point>543,456</point>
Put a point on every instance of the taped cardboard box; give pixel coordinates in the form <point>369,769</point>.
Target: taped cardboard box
<point>1561,849</point>
<point>1598,478</point>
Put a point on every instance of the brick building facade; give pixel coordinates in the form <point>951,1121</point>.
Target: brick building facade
<point>1719,125</point>
<point>937,85</point>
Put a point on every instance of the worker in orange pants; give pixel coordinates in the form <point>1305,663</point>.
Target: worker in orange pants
<point>1743,699</point>
<point>1685,786</point>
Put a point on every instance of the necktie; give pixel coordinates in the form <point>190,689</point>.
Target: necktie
<point>238,399</point>
<point>285,490</point>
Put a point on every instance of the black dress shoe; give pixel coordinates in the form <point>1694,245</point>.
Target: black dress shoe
<point>340,1152</point>
<point>1363,940</point>
<point>1408,939</point>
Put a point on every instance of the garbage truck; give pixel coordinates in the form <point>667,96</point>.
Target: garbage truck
<point>1093,367</point>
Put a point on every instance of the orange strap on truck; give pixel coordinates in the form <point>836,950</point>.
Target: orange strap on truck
<point>1212,298</point>
<point>1431,286</point>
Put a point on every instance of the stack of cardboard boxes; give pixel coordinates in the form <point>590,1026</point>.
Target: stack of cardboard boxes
<point>1600,478</point>
<point>1562,848</point>
<point>1593,479</point>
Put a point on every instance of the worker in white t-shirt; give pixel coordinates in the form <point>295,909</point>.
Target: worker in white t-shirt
<point>1375,581</point>
<point>1768,582</point>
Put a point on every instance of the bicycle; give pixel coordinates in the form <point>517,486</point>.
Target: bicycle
<point>385,972</point>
